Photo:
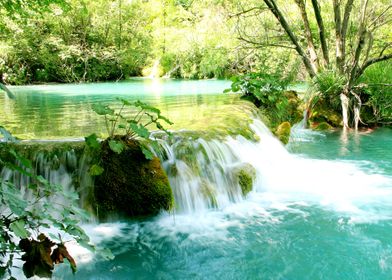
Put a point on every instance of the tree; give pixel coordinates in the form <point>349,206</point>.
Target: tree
<point>361,38</point>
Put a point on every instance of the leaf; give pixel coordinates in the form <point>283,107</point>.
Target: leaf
<point>96,170</point>
<point>13,198</point>
<point>125,102</point>
<point>147,107</point>
<point>116,146</point>
<point>101,109</point>
<point>147,153</point>
<point>165,119</point>
<point>227,90</point>
<point>140,130</point>
<point>92,142</point>
<point>18,227</point>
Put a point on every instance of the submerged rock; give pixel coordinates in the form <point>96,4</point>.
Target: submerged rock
<point>131,184</point>
<point>245,175</point>
<point>283,132</point>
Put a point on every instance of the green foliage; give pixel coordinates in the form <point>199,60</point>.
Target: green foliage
<point>327,86</point>
<point>122,125</point>
<point>267,91</point>
<point>24,217</point>
<point>378,91</point>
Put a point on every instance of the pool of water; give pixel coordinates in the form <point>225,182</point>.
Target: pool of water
<point>64,111</point>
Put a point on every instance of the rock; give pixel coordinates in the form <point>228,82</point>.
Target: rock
<point>208,192</point>
<point>322,126</point>
<point>130,184</point>
<point>324,113</point>
<point>283,132</point>
<point>245,175</point>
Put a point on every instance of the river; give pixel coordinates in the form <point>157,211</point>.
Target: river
<point>320,208</point>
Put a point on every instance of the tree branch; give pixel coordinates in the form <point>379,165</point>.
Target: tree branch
<point>247,11</point>
<point>308,35</point>
<point>320,24</point>
<point>271,4</point>
<point>338,36</point>
<point>372,61</point>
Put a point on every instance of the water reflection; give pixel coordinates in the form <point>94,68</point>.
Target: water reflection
<point>64,111</point>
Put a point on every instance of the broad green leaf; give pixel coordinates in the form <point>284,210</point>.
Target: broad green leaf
<point>116,146</point>
<point>147,153</point>
<point>96,170</point>
<point>13,198</point>
<point>18,227</point>
<point>227,90</point>
<point>147,107</point>
<point>140,130</point>
<point>92,141</point>
<point>101,109</point>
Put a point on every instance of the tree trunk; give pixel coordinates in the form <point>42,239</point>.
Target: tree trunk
<point>309,38</point>
<point>271,4</point>
<point>320,24</point>
<point>344,101</point>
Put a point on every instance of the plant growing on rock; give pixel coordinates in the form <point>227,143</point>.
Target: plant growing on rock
<point>121,127</point>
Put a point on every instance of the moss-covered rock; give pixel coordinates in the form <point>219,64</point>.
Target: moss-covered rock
<point>283,132</point>
<point>324,113</point>
<point>245,175</point>
<point>130,184</point>
<point>208,192</point>
<point>322,126</point>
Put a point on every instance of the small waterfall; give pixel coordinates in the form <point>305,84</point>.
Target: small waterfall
<point>155,70</point>
<point>66,167</point>
<point>201,173</point>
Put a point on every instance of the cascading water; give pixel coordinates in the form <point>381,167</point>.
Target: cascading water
<point>300,209</point>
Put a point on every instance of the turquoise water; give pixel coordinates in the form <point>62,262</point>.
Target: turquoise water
<point>64,111</point>
<point>323,210</point>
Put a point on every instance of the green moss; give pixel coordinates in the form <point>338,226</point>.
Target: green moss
<point>209,193</point>
<point>283,132</point>
<point>323,113</point>
<point>322,126</point>
<point>131,185</point>
<point>245,175</point>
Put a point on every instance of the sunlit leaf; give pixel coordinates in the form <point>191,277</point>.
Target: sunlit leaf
<point>101,109</point>
<point>147,153</point>
<point>116,146</point>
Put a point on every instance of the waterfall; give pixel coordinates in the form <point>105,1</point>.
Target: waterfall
<point>205,173</point>
<point>62,166</point>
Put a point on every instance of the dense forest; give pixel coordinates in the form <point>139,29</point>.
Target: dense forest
<point>102,40</point>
